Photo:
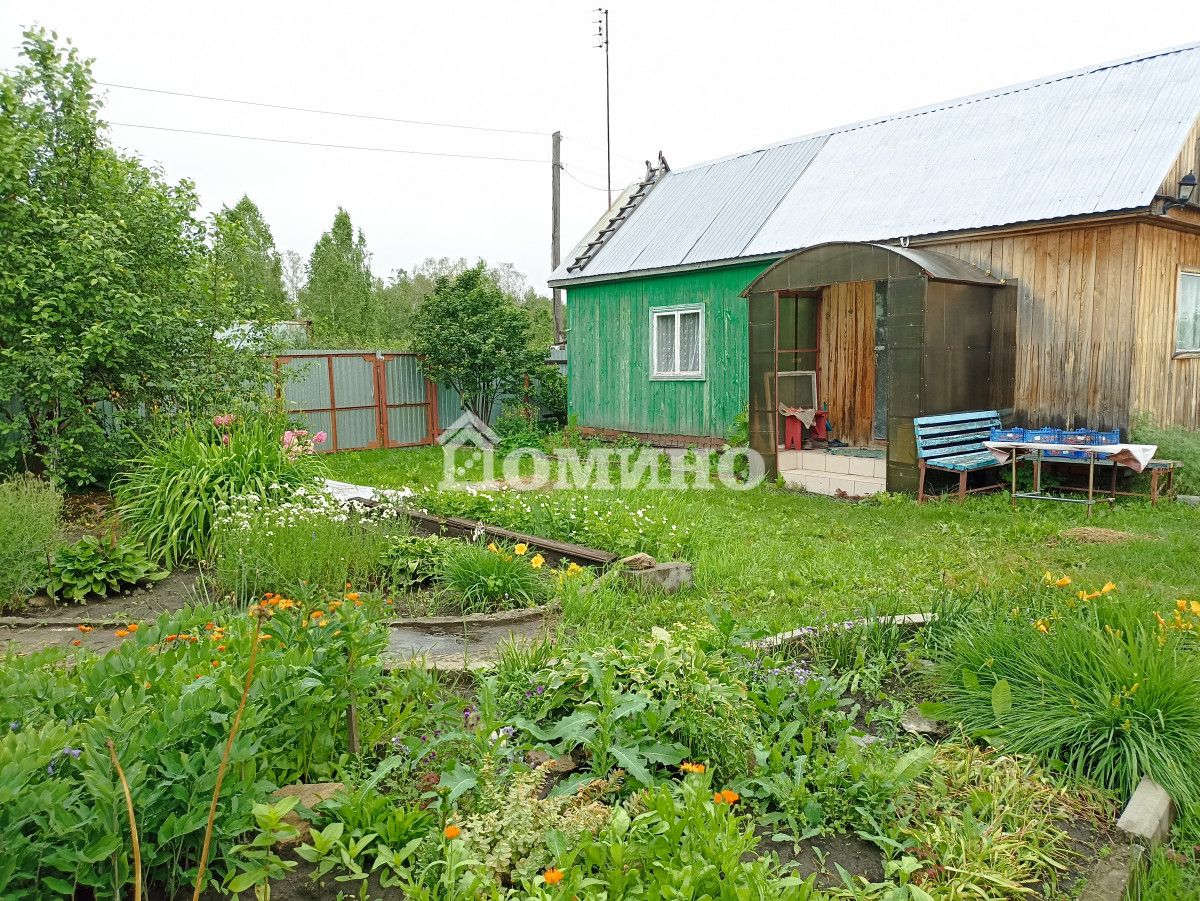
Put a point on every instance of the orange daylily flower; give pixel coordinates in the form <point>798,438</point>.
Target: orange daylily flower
<point>121,633</point>
<point>553,876</point>
<point>688,767</point>
<point>452,832</point>
<point>725,796</point>
<point>132,627</point>
<point>84,629</point>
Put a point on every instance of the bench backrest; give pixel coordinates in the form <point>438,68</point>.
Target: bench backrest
<point>952,434</point>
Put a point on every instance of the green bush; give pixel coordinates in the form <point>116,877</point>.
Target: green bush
<point>99,567</point>
<point>487,579</point>
<point>1174,443</point>
<point>305,538</point>
<point>170,494</point>
<point>29,512</point>
<point>1104,686</point>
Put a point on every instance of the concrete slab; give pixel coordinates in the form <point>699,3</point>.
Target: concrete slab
<point>1147,817</point>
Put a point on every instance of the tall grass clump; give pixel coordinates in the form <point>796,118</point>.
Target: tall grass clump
<point>1106,687</point>
<point>29,512</point>
<point>1174,443</point>
<point>487,579</point>
<point>170,493</point>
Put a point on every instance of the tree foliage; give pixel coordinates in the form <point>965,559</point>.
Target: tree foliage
<point>474,338</point>
<point>337,296</point>
<point>243,249</point>
<point>110,305</point>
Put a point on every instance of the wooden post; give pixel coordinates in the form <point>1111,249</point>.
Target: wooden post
<point>555,229</point>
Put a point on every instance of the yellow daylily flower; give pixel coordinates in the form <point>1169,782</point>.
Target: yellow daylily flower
<point>493,547</point>
<point>1063,582</point>
<point>521,549</point>
<point>537,561</point>
<point>1108,587</point>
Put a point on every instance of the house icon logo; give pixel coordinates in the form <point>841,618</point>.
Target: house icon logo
<point>468,452</point>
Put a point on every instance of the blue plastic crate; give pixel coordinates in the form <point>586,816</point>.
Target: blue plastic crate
<point>1065,454</point>
<point>1007,435</point>
<point>1043,436</point>
<point>1113,437</point>
<point>1079,436</point>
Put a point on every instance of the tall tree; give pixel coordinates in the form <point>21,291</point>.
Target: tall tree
<point>473,337</point>
<point>293,276</point>
<point>107,307</point>
<point>337,297</point>
<point>244,249</point>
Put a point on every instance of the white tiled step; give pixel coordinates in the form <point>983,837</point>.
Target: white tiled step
<point>832,483</point>
<point>825,463</point>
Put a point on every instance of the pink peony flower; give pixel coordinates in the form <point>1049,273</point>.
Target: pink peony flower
<point>319,438</point>
<point>222,420</point>
<point>289,438</point>
<point>225,439</point>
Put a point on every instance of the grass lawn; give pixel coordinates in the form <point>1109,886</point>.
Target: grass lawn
<point>781,559</point>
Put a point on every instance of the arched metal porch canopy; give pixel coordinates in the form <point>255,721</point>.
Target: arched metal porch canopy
<point>836,262</point>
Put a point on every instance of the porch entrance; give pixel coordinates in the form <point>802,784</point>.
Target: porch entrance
<point>872,335</point>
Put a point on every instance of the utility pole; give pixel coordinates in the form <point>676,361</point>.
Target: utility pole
<point>555,228</point>
<point>602,43</point>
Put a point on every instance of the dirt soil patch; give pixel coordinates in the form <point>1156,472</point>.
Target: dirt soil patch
<point>823,854</point>
<point>44,624</point>
<point>1095,535</point>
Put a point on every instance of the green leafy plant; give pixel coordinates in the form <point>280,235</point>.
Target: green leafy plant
<point>667,695</point>
<point>172,492</point>
<point>257,863</point>
<point>412,560</point>
<point>486,579</point>
<point>95,566</point>
<point>29,512</point>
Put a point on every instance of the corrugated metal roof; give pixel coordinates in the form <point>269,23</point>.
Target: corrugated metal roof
<point>1097,140</point>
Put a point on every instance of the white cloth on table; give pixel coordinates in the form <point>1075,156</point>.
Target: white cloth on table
<point>806,416</point>
<point>1135,456</point>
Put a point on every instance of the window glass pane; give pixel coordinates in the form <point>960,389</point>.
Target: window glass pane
<point>689,342</point>
<point>1187,333</point>
<point>664,331</point>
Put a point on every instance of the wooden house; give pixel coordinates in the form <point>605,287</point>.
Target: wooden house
<point>1025,249</point>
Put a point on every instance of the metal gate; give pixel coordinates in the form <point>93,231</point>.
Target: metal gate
<point>360,399</point>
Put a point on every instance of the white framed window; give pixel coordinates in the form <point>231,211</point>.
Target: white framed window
<point>1187,313</point>
<point>677,342</point>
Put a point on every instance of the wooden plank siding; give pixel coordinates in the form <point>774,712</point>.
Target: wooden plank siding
<point>1164,386</point>
<point>608,341</point>
<point>1187,161</point>
<point>846,359</point>
<point>1075,319</point>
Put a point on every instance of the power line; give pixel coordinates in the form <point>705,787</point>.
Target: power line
<point>324,112</point>
<point>581,181</point>
<point>218,134</point>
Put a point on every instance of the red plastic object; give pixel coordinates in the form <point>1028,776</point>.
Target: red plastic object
<point>793,430</point>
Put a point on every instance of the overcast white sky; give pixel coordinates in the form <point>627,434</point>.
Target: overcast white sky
<point>695,79</point>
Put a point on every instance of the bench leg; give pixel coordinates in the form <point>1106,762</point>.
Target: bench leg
<point>1153,487</point>
<point>921,483</point>
<point>962,487</point>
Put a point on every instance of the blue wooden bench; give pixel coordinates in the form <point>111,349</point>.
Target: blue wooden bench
<point>953,442</point>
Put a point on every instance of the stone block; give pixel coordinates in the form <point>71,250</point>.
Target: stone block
<point>310,794</point>
<point>1147,817</point>
<point>665,577</point>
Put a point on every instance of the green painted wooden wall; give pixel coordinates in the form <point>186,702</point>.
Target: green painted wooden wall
<point>608,342</point>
